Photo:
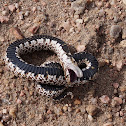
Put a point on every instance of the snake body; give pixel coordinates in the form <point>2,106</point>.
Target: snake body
<point>52,78</point>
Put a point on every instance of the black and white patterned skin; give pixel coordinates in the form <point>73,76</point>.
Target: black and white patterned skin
<point>52,77</point>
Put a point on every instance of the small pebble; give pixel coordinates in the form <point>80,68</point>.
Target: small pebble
<point>69,109</point>
<point>118,100</point>
<point>4,19</point>
<point>12,8</point>
<point>34,29</point>
<point>16,33</point>
<point>6,118</point>
<point>16,5</point>
<point>124,33</point>
<point>115,31</point>
<point>108,124</point>
<point>91,110</point>
<point>77,102</point>
<point>121,113</point>
<point>19,101</point>
<point>21,16</point>
<point>77,110</point>
<point>94,101</point>
<point>122,44</point>
<point>5,111</point>
<point>5,13</point>
<point>115,85</point>
<point>113,2</point>
<point>49,111</point>
<point>27,13</point>
<point>80,48</point>
<point>22,93</point>
<point>65,108</point>
<point>34,9</point>
<point>105,99</point>
<point>12,112</point>
<point>122,88</point>
<point>78,6</point>
<point>119,65</point>
<point>90,117</point>
<point>66,25</point>
<point>80,21</point>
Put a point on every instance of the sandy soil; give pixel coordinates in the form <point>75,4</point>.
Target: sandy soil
<point>98,25</point>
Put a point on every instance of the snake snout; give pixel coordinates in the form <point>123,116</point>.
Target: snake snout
<point>74,72</point>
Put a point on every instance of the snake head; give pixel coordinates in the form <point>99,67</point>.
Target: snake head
<point>73,72</point>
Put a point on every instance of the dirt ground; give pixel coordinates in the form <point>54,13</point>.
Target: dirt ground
<point>95,26</point>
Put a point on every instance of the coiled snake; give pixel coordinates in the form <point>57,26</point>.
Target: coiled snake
<point>52,77</point>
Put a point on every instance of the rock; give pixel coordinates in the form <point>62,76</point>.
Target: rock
<point>77,110</point>
<point>118,100</point>
<point>27,13</point>
<point>21,16</point>
<point>124,1</point>
<point>16,5</point>
<point>58,111</point>
<point>77,102</point>
<point>90,118</point>
<point>119,65</point>
<point>12,112</point>
<point>78,6</point>
<point>22,93</point>
<point>91,110</point>
<point>19,101</point>
<point>115,85</point>
<point>123,44</point>
<point>34,9</point>
<point>105,99</point>
<point>66,25</point>
<point>12,7</point>
<point>94,101</point>
<point>6,118</point>
<point>113,2</point>
<point>80,48</point>
<point>70,109</point>
<point>5,12</point>
<point>5,111</point>
<point>124,33</point>
<point>34,29</point>
<point>115,31</point>
<point>122,88</point>
<point>65,108</point>
<point>49,111</point>
<point>16,33</point>
<point>121,113</point>
<point>108,124</point>
<point>80,21</point>
<point>4,19</point>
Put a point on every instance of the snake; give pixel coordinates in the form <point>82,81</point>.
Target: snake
<point>52,78</point>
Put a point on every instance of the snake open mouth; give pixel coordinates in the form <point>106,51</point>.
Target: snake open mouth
<point>73,75</point>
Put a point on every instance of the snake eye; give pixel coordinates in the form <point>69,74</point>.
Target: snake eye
<point>73,75</point>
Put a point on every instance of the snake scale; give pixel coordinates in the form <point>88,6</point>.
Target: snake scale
<point>52,78</point>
